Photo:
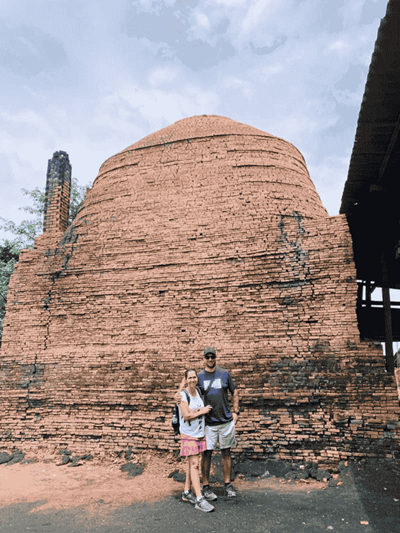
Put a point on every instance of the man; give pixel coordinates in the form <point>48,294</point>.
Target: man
<point>214,383</point>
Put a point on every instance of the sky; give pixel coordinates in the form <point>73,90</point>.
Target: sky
<point>93,77</point>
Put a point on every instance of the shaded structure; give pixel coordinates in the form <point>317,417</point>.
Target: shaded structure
<point>372,191</point>
<point>208,232</point>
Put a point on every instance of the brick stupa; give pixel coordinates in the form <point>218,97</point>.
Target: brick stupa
<point>207,232</point>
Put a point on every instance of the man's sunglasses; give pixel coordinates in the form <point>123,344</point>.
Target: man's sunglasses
<point>209,356</point>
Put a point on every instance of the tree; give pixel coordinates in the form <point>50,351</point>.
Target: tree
<point>25,234</point>
<point>9,254</point>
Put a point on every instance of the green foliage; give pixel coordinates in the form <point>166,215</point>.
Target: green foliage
<point>9,254</point>
<point>77,198</point>
<point>25,234</point>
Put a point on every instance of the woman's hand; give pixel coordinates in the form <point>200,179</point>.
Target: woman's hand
<point>206,409</point>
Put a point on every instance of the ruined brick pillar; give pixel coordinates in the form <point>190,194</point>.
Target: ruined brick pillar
<point>58,186</point>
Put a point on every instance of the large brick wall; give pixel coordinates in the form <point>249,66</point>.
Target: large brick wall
<point>207,232</point>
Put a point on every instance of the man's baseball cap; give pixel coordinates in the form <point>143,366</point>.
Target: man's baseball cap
<point>209,349</point>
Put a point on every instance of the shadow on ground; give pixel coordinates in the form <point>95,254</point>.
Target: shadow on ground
<point>377,483</point>
<point>361,499</point>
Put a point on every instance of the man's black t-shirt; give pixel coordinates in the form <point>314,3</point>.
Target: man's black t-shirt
<point>215,386</point>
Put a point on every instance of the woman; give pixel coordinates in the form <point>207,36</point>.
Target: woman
<point>193,443</point>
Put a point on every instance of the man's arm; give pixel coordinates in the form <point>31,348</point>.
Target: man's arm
<point>235,410</point>
<point>235,397</point>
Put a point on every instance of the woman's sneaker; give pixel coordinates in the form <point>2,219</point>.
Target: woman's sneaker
<point>189,497</point>
<point>230,490</point>
<point>208,494</point>
<point>203,505</point>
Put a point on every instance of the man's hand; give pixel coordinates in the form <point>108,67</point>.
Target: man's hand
<point>235,417</point>
<point>178,398</point>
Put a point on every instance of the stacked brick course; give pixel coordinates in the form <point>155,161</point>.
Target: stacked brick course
<point>58,185</point>
<point>209,232</point>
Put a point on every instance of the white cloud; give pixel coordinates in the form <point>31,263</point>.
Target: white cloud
<point>233,82</point>
<point>269,71</point>
<point>31,122</point>
<point>253,15</point>
<point>202,20</point>
<point>347,97</point>
<point>156,106</point>
<point>161,76</point>
<point>228,3</point>
<point>259,21</point>
<point>339,45</point>
<point>351,12</point>
<point>330,175</point>
<point>145,5</point>
<point>285,76</point>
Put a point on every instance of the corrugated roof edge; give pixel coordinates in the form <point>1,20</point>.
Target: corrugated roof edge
<point>387,45</point>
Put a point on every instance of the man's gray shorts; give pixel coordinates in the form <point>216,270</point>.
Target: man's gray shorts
<point>222,436</point>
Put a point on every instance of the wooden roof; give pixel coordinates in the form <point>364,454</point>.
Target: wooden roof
<point>372,191</point>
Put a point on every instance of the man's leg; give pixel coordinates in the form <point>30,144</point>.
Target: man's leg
<point>205,466</point>
<point>226,464</point>
<point>211,438</point>
<point>227,440</point>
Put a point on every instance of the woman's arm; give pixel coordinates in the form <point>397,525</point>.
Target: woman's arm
<point>190,414</point>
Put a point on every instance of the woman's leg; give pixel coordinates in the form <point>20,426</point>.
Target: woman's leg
<point>194,462</point>
<point>187,481</point>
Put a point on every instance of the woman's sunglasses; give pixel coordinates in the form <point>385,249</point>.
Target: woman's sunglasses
<point>209,356</point>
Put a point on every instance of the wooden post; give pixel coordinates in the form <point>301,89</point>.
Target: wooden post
<point>388,317</point>
<point>360,288</point>
<point>368,293</point>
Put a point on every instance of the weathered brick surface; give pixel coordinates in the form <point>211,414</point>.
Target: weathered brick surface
<point>208,232</point>
<point>58,185</point>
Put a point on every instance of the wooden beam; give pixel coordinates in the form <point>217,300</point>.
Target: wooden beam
<point>388,317</point>
<point>378,303</point>
<point>389,150</point>
<point>368,293</point>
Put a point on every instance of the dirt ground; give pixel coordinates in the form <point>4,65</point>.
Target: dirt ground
<point>97,497</point>
<point>63,486</point>
<point>92,481</point>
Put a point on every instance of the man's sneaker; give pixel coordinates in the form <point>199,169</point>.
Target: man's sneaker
<point>208,494</point>
<point>230,490</point>
<point>203,505</point>
<point>189,497</point>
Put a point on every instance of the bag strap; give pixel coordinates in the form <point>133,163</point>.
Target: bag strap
<point>201,396</point>
<point>209,386</point>
<point>188,401</point>
<point>187,395</point>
